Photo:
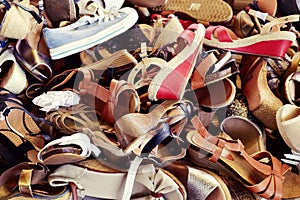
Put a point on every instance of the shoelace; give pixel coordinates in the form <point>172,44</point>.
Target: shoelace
<point>104,17</point>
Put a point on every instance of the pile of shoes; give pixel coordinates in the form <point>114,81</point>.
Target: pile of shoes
<point>174,100</point>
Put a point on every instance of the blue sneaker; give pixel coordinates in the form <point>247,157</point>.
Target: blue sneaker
<point>88,31</point>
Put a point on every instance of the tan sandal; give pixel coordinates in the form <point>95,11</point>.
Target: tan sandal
<point>269,180</point>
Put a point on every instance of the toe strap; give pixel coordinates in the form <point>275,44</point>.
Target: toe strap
<point>272,185</point>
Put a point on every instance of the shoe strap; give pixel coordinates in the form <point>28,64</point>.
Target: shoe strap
<point>78,139</point>
<point>271,186</point>
<point>281,21</point>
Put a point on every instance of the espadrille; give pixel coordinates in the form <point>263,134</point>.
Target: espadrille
<point>18,19</point>
<point>262,101</point>
<point>270,37</point>
<point>200,183</point>
<point>216,11</point>
<point>269,180</point>
<point>148,183</point>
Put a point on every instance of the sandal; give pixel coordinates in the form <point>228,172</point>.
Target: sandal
<point>200,183</point>
<point>30,180</point>
<point>224,38</point>
<point>269,180</point>
<point>67,149</point>
<point>213,11</point>
<point>213,66</point>
<point>179,68</point>
<point>287,119</point>
<point>142,133</point>
<point>16,119</point>
<point>33,61</point>
<point>149,183</point>
<point>70,120</point>
<point>238,127</point>
<point>13,78</point>
<point>262,102</point>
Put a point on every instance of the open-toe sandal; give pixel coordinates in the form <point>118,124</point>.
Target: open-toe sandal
<point>270,37</point>
<point>29,180</point>
<point>143,133</point>
<point>67,149</point>
<point>200,183</point>
<point>238,127</point>
<point>270,179</point>
<point>17,119</point>
<point>34,62</point>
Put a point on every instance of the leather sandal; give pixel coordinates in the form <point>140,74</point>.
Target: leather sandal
<point>142,133</point>
<point>70,120</point>
<point>269,180</point>
<point>15,118</point>
<point>238,127</point>
<point>212,66</point>
<point>34,62</point>
<point>29,180</point>
<point>67,149</point>
<point>148,183</point>
<point>200,183</point>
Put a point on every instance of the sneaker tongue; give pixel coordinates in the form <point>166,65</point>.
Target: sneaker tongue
<point>113,4</point>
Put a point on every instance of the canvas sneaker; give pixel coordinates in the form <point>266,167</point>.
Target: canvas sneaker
<point>88,31</point>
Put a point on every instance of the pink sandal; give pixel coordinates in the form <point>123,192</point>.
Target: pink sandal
<point>170,81</point>
<point>268,43</point>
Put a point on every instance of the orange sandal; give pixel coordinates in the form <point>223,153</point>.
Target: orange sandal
<point>269,180</point>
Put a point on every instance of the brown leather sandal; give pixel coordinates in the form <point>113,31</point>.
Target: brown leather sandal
<point>270,179</point>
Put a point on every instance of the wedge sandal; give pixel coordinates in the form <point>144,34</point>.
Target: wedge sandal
<point>269,180</point>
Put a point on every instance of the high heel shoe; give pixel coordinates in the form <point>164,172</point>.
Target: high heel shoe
<point>171,80</point>
<point>269,180</point>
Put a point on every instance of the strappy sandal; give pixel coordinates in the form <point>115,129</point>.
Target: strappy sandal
<point>149,183</point>
<point>238,127</point>
<point>16,119</point>
<point>269,180</point>
<point>30,180</point>
<point>224,38</point>
<point>142,133</point>
<point>69,120</point>
<point>212,66</point>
